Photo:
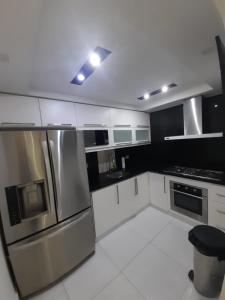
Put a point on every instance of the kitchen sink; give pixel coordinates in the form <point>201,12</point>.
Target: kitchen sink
<point>117,174</point>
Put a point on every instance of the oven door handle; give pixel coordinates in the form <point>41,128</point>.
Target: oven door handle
<point>183,193</point>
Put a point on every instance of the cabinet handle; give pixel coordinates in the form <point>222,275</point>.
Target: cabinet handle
<point>17,124</point>
<point>118,195</point>
<point>164,184</point>
<point>94,125</point>
<point>124,143</point>
<point>220,211</point>
<point>220,195</point>
<point>122,126</point>
<point>143,126</point>
<point>58,125</point>
<point>135,186</point>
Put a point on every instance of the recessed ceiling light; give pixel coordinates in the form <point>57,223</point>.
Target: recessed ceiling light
<point>95,59</point>
<point>165,89</point>
<point>146,96</point>
<point>80,77</point>
<point>216,105</point>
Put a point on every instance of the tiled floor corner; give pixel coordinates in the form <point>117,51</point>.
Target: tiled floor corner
<point>148,258</point>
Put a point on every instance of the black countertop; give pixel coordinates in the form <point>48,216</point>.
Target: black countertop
<point>102,180</point>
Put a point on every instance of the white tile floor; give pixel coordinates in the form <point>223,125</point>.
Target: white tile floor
<point>147,258</point>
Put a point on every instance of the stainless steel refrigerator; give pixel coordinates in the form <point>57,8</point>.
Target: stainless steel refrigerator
<point>46,210</point>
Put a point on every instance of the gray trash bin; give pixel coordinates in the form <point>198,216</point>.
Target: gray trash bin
<point>209,260</point>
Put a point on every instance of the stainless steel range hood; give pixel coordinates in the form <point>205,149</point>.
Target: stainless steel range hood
<point>192,110</point>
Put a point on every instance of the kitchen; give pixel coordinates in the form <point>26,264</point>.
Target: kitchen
<point>112,149</point>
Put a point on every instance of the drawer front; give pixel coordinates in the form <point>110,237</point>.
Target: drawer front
<point>219,215</point>
<point>220,196</point>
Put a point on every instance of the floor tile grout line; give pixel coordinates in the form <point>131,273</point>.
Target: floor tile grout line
<point>114,277</point>
<point>147,243</point>
<point>121,271</point>
<point>164,252</point>
<point>141,250</point>
<point>173,259</point>
<point>136,288</point>
<point>67,294</point>
<point>111,260</point>
<point>107,285</point>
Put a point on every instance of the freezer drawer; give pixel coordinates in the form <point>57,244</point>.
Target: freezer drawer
<point>40,260</point>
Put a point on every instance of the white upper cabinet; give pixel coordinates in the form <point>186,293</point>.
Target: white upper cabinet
<point>55,112</point>
<point>92,116</point>
<point>122,117</point>
<point>129,118</point>
<point>142,119</point>
<point>19,110</point>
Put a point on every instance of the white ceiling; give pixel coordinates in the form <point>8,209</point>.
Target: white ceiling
<point>43,43</point>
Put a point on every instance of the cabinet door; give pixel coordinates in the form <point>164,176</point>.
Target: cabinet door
<point>92,116</point>
<point>142,191</point>
<point>122,136</point>
<point>158,191</point>
<point>134,195</point>
<point>122,118</point>
<point>142,135</point>
<point>107,210</point>
<point>142,119</point>
<point>19,110</point>
<point>55,112</point>
<point>127,197</point>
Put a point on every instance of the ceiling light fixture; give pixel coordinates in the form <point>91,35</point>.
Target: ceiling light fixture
<point>165,89</point>
<point>95,59</point>
<point>146,96</point>
<point>80,77</point>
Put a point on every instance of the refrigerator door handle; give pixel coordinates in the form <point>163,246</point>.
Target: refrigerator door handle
<point>48,173</point>
<point>55,176</point>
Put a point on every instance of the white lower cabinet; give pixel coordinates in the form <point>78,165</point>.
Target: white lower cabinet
<point>216,206</point>
<point>159,191</point>
<point>107,210</point>
<point>134,193</point>
<point>115,204</point>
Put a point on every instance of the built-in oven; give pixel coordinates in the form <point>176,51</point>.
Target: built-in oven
<point>95,138</point>
<point>189,200</point>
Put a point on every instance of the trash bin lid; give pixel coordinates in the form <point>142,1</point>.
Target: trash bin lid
<point>209,240</point>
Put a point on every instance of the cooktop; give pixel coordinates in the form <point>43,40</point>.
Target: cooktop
<point>196,173</point>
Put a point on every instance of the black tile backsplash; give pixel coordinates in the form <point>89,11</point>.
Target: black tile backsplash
<point>199,153</point>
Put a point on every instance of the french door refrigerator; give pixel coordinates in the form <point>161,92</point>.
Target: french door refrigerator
<point>46,210</point>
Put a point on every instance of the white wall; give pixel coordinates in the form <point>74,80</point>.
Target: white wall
<point>7,291</point>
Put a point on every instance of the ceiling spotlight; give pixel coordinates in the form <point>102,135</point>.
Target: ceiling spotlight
<point>95,59</point>
<point>81,77</point>
<point>165,89</point>
<point>146,96</point>
<point>216,105</point>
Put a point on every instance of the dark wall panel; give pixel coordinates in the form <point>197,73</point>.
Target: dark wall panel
<point>168,122</point>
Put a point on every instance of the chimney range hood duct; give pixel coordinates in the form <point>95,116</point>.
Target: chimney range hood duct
<point>192,111</point>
